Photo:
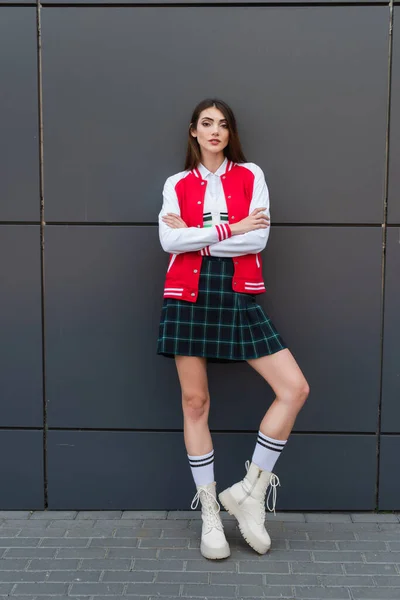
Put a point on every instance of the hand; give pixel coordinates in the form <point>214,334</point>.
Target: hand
<point>256,220</point>
<point>174,221</point>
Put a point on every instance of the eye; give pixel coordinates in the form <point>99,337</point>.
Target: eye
<point>205,123</point>
<point>225,125</point>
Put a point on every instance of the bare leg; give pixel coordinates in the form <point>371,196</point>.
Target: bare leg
<point>283,374</point>
<point>192,373</point>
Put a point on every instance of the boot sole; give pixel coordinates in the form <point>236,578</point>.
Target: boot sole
<point>215,553</point>
<point>232,507</point>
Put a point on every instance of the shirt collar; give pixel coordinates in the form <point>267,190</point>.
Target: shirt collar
<point>204,172</point>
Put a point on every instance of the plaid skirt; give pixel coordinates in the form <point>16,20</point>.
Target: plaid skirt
<point>222,325</point>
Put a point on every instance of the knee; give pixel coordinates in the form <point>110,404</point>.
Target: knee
<point>195,405</point>
<point>297,394</point>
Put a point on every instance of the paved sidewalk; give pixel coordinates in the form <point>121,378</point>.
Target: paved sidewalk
<point>103,555</point>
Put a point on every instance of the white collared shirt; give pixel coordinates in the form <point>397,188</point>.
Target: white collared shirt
<point>215,210</point>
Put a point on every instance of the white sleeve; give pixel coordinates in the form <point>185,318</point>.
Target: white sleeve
<point>185,239</point>
<point>251,242</point>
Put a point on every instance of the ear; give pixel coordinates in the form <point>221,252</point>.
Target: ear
<point>192,131</point>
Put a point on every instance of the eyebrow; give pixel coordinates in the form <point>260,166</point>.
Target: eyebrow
<point>210,119</point>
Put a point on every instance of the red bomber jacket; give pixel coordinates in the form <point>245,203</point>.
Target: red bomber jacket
<point>244,189</point>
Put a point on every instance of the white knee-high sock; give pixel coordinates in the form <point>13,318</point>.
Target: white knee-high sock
<point>267,451</point>
<point>202,468</point>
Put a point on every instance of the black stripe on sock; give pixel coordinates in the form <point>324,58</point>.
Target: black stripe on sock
<point>270,442</point>
<point>262,443</point>
<point>204,464</point>
<point>201,459</point>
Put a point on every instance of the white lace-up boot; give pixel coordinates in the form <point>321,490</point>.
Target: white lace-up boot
<point>213,541</point>
<point>246,501</point>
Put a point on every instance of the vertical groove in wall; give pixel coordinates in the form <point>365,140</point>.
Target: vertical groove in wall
<point>42,225</point>
<point>384,238</point>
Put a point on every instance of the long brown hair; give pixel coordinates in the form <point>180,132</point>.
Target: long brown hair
<point>233,150</point>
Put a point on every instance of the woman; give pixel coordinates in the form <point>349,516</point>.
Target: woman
<point>214,223</point>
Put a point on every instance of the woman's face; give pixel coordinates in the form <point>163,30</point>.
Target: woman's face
<point>212,131</point>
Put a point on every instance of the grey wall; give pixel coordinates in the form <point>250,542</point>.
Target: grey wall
<point>90,415</point>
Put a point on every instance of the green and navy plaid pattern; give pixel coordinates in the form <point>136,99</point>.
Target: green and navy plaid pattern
<point>222,325</point>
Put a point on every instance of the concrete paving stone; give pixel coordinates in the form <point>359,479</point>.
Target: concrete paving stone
<point>387,580</point>
<point>308,527</point>
<point>11,564</point>
<point>15,514</point>
<point>394,546</point>
<point>75,576</point>
<point>158,565</point>
<point>263,567</point>
<point>226,565</point>
<point>279,592</point>
<point>328,568</point>
<point>362,546</point>
<point>185,514</point>
<point>185,553</point>
<point>374,518</point>
<point>62,598</point>
<point>357,527</point>
<point>64,542</point>
<point>311,545</point>
<point>9,532</point>
<point>95,515</point>
<point>144,514</point>
<point>116,564</point>
<point>19,542</point>
<point>286,517</point>
<point>376,593</point>
<point>253,591</point>
<point>181,577</point>
<point>73,524</point>
<point>176,533</point>
<point>110,542</point>
<point>237,578</point>
<point>165,524</point>
<point>54,514</point>
<point>92,532</point>
<point>26,524</point>
<point>292,579</point>
<point>156,589</point>
<point>46,589</point>
<point>332,535</point>
<point>347,580</point>
<point>163,542</point>
<point>5,588</point>
<point>139,533</point>
<point>327,518</point>
<point>16,576</point>
<point>382,536</point>
<point>85,553</point>
<point>389,527</point>
<point>341,557</point>
<point>43,533</point>
<point>193,590</point>
<point>288,555</point>
<point>288,535</point>
<point>59,564</point>
<point>95,589</point>
<point>382,557</point>
<point>321,593</point>
<point>371,569</point>
<point>129,576</point>
<point>30,553</point>
<point>114,523</point>
<point>132,552</point>
<point>21,597</point>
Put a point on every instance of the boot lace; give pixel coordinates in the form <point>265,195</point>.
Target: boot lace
<point>210,506</point>
<point>272,485</point>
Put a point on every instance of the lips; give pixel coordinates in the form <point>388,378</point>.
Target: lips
<point>214,141</point>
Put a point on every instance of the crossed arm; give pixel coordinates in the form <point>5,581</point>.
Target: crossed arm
<point>220,240</point>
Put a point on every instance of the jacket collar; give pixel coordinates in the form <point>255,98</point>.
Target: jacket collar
<point>203,173</point>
